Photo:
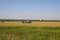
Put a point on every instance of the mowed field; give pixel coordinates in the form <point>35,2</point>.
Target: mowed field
<point>54,24</point>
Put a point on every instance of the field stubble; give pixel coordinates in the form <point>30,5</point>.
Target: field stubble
<point>54,24</point>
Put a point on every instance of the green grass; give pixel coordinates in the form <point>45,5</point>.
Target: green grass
<point>29,33</point>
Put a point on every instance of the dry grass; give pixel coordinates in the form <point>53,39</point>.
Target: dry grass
<point>54,24</point>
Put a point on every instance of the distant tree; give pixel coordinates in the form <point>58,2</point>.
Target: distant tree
<point>2,21</point>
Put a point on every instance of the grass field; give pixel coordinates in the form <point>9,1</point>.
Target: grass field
<point>29,33</point>
<point>54,24</point>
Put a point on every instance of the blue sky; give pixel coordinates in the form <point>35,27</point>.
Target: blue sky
<point>30,9</point>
